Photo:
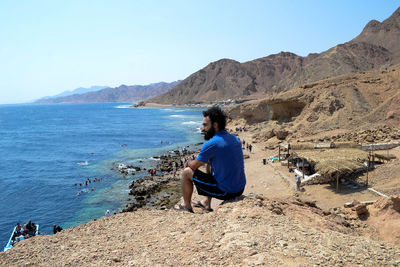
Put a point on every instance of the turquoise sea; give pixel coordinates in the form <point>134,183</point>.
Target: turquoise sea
<point>46,149</point>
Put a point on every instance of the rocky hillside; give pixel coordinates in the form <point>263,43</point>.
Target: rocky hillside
<point>225,79</point>
<point>377,46</point>
<point>385,34</point>
<point>123,93</point>
<point>352,101</point>
<point>254,231</point>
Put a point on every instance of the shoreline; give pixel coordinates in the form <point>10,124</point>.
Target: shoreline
<point>162,190</point>
<point>157,105</point>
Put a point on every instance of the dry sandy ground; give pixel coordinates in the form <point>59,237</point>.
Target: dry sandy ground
<point>274,180</point>
<point>253,232</point>
<point>261,179</point>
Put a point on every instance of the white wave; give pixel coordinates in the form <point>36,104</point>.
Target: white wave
<point>173,110</point>
<point>191,123</point>
<point>177,116</point>
<point>123,106</point>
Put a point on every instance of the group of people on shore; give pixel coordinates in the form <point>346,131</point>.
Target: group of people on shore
<point>174,165</point>
<point>152,172</point>
<point>241,129</point>
<point>247,145</point>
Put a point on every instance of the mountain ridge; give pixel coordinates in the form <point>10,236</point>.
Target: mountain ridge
<point>376,46</point>
<point>122,93</point>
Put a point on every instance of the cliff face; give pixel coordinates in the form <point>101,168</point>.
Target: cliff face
<point>376,46</point>
<point>123,93</point>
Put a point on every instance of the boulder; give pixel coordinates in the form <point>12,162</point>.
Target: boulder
<point>370,139</point>
<point>281,134</point>
<point>269,134</point>
<point>361,209</point>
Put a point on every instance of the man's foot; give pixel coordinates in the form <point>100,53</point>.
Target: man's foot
<point>198,204</point>
<point>180,207</point>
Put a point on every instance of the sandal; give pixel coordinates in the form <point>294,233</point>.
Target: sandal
<point>179,207</point>
<point>198,204</point>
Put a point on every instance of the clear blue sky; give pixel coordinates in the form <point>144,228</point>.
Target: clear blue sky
<point>47,47</point>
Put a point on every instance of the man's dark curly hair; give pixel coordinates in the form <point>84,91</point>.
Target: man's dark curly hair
<point>216,115</point>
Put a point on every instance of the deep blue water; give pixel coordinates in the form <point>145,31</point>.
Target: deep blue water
<point>40,146</point>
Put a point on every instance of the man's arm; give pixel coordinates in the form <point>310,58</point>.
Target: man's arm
<point>195,164</point>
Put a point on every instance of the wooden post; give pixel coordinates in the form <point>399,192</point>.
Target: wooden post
<point>373,156</point>
<point>303,167</point>
<point>367,171</point>
<point>279,153</point>
<point>337,178</point>
<point>337,181</point>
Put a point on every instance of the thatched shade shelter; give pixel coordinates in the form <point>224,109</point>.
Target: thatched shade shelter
<point>332,162</point>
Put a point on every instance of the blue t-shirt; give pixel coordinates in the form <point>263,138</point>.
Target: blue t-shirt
<point>224,152</point>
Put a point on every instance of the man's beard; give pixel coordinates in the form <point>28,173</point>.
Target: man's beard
<point>209,134</point>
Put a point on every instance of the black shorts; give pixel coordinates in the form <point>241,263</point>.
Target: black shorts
<point>206,185</point>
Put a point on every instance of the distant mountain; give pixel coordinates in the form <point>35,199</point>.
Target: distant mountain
<point>123,93</point>
<point>216,81</point>
<point>80,90</point>
<point>377,46</point>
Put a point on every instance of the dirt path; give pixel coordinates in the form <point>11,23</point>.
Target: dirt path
<point>274,180</point>
<point>263,179</point>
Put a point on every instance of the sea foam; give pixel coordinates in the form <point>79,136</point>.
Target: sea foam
<point>123,106</point>
<point>191,122</point>
<point>177,116</point>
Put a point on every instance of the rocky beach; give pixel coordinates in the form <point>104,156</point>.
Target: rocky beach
<point>161,190</point>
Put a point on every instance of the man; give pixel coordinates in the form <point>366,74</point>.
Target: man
<point>56,229</point>
<point>225,178</point>
<point>298,182</point>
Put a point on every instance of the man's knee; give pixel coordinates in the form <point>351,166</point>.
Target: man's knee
<point>187,173</point>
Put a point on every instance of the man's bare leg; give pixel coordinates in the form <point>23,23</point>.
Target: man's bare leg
<point>206,201</point>
<point>187,187</point>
